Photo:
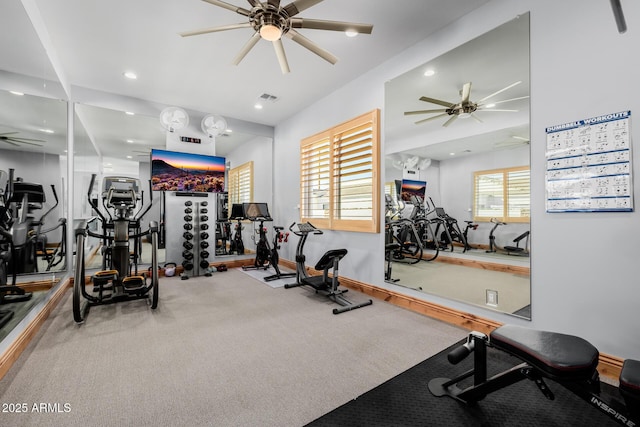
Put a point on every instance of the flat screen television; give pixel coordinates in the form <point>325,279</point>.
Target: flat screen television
<point>411,188</point>
<point>186,172</point>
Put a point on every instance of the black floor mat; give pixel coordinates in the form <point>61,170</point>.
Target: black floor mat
<point>405,400</point>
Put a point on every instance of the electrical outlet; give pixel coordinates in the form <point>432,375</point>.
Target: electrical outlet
<point>492,298</point>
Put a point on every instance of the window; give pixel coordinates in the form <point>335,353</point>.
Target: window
<point>241,184</point>
<point>503,194</point>
<point>339,176</point>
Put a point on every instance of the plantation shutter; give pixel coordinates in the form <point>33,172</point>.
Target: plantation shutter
<point>518,194</point>
<point>315,163</point>
<point>339,176</point>
<point>503,194</point>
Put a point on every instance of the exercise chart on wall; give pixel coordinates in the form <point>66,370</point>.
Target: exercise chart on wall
<point>589,165</point>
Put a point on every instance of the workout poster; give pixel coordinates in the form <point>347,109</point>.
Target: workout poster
<point>589,165</point>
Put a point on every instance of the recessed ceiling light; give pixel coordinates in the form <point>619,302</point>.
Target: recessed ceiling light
<point>452,154</point>
<point>130,75</point>
<point>229,130</point>
<point>130,141</point>
<point>129,113</point>
<point>489,105</point>
<point>15,92</point>
<point>46,130</point>
<point>351,33</point>
<point>129,157</point>
<point>430,72</point>
<point>258,106</point>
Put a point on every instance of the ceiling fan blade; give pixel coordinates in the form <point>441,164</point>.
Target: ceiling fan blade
<point>320,24</point>
<point>20,139</point>
<point>619,16</point>
<point>451,120</point>
<point>8,142</point>
<point>7,133</point>
<point>254,3</point>
<point>255,38</point>
<point>503,111</point>
<point>506,100</point>
<point>27,142</point>
<point>305,42</point>
<point>215,29</point>
<point>437,101</point>
<point>466,93</point>
<point>230,7</point>
<point>282,58</point>
<point>298,6</point>
<point>477,119</point>
<point>500,91</point>
<point>431,118</point>
<point>274,3</point>
<point>439,110</point>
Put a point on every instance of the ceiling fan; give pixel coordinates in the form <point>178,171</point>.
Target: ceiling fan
<point>16,140</point>
<point>465,107</point>
<point>272,21</point>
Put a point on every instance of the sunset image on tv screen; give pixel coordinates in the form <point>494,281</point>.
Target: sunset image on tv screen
<point>413,188</point>
<point>188,172</point>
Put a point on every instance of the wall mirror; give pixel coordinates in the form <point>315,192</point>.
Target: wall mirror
<point>32,144</point>
<point>119,144</point>
<point>464,112</point>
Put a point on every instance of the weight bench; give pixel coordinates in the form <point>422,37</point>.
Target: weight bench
<point>568,360</point>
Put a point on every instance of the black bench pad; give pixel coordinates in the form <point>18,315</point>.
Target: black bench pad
<point>630,377</point>
<point>558,356</point>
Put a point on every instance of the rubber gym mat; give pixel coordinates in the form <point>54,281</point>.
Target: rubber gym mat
<point>405,400</point>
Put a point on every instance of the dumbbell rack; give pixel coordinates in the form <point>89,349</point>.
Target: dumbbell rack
<point>195,243</point>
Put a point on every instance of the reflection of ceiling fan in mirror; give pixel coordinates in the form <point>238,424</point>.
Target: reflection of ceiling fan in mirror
<point>13,139</point>
<point>465,107</point>
<point>271,21</point>
<point>213,125</point>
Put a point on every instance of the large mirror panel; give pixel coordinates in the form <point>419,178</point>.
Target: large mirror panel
<point>457,161</point>
<point>33,248</point>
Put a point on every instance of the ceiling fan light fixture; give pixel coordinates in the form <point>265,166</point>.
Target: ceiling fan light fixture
<point>270,28</point>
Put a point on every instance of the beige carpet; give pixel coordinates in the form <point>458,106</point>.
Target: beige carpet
<point>224,350</point>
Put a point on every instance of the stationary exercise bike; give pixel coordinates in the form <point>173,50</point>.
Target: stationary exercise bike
<point>259,212</point>
<point>278,238</point>
<point>119,279</point>
<point>567,360</point>
<point>324,285</point>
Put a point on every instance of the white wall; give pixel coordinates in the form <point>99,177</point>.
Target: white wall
<point>583,264</point>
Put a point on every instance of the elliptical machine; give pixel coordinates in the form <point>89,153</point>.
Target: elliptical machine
<point>325,285</point>
<point>119,279</point>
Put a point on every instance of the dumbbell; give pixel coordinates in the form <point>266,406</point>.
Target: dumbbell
<point>187,245</point>
<point>187,235</point>
<point>187,255</point>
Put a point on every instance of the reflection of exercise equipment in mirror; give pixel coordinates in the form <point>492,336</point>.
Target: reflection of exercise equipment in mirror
<point>450,231</point>
<point>236,244</point>
<point>119,279</point>
<point>30,239</point>
<point>324,285</point>
<point>8,292</point>
<point>509,250</point>
<point>567,360</point>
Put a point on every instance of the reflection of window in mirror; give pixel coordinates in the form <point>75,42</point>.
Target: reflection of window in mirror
<point>241,183</point>
<point>503,194</point>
